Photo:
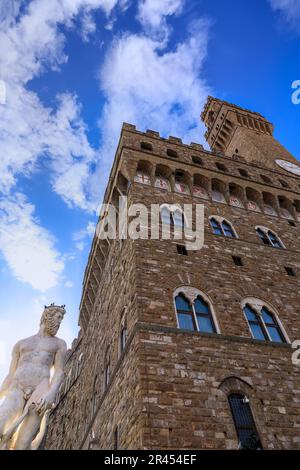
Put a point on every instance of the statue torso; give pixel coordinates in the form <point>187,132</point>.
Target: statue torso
<point>35,361</point>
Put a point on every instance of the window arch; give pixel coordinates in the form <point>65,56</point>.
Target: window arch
<point>182,182</point>
<point>263,323</point>
<point>172,215</point>
<point>162,177</point>
<point>194,312</point>
<point>270,204</point>
<point>201,186</point>
<point>244,422</point>
<point>143,172</point>
<point>268,237</point>
<point>222,227</point>
<point>218,191</point>
<point>236,195</point>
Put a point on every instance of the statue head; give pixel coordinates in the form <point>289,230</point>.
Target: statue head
<point>52,317</point>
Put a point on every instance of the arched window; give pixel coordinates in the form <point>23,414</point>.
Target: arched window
<point>166,216</point>
<point>218,191</point>
<point>263,324</point>
<point>216,226</point>
<point>162,183</point>
<point>172,216</point>
<point>227,229</point>
<point>196,316</point>
<point>268,237</point>
<point>143,172</point>
<point>182,182</point>
<point>142,177</point>
<point>204,317</point>
<point>185,314</point>
<point>178,218</point>
<point>222,228</point>
<point>244,423</point>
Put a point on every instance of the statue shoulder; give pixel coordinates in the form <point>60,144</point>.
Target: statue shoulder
<point>24,342</point>
<point>62,345</point>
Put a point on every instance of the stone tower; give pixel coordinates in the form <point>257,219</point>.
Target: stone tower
<point>192,349</point>
<point>236,131</point>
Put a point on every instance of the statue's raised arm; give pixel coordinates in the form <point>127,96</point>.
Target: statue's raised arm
<point>27,390</point>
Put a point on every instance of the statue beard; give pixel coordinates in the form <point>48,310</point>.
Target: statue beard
<point>51,326</point>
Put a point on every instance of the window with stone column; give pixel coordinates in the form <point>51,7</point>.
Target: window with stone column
<point>269,238</point>
<point>262,321</point>
<point>221,226</point>
<point>194,311</point>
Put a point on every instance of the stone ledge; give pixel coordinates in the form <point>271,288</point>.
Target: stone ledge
<point>220,337</point>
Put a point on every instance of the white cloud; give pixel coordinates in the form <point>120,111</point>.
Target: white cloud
<point>89,26</point>
<point>9,10</point>
<point>31,43</point>
<point>26,246</point>
<point>153,15</point>
<point>289,8</point>
<point>153,89</point>
<point>143,83</point>
<point>28,130</point>
<point>84,235</point>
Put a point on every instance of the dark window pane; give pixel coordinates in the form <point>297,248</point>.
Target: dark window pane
<point>181,250</point>
<point>201,306</point>
<point>166,216</point>
<point>182,304</point>
<point>274,240</point>
<point>186,321</point>
<point>268,317</point>
<point>216,227</point>
<point>205,324</point>
<point>257,331</point>
<point>250,314</point>
<point>228,230</point>
<point>244,422</point>
<point>263,237</point>
<point>275,334</point>
<point>178,218</point>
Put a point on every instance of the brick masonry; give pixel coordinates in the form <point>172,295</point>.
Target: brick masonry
<point>168,389</point>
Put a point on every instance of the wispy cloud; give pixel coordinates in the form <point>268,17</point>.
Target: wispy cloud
<point>154,88</point>
<point>290,9</point>
<point>30,44</point>
<point>26,246</point>
<point>142,80</point>
<point>153,14</point>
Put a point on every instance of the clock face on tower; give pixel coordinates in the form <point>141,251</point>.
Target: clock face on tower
<point>289,166</point>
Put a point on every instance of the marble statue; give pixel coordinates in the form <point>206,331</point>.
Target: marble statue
<point>35,375</point>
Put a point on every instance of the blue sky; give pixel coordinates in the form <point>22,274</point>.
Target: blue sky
<point>73,71</point>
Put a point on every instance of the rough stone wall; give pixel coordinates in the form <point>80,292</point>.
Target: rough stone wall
<point>165,388</point>
<point>187,407</point>
<point>258,147</point>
